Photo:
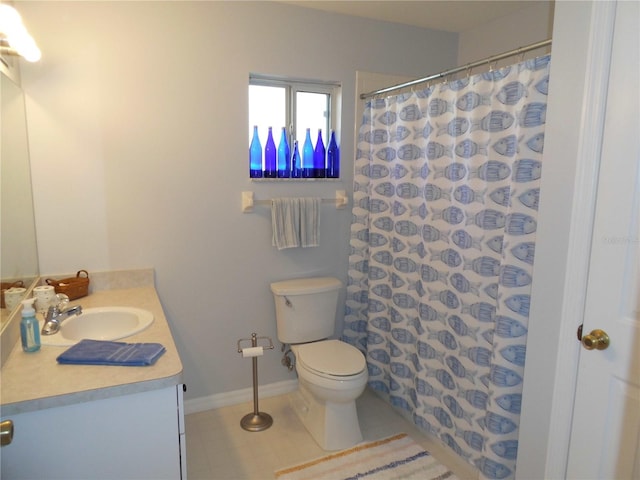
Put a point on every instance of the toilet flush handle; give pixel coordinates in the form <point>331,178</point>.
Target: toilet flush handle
<point>6,432</point>
<point>287,302</point>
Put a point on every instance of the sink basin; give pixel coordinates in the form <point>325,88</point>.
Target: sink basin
<point>100,323</point>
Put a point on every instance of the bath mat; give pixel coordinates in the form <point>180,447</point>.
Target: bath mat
<point>397,457</point>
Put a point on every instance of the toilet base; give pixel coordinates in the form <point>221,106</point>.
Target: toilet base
<point>334,426</point>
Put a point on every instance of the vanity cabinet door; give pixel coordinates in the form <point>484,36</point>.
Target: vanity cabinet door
<point>134,436</point>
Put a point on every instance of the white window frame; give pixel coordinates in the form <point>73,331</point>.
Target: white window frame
<point>292,87</point>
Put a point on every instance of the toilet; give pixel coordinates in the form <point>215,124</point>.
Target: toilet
<point>331,373</point>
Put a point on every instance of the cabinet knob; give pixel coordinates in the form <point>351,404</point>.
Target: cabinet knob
<point>6,432</point>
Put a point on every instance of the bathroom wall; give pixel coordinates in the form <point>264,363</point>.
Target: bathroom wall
<point>138,125</point>
<point>519,29</point>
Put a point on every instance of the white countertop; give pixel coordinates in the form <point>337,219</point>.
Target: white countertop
<point>34,381</point>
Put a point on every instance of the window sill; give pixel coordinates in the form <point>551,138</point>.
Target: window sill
<point>290,180</point>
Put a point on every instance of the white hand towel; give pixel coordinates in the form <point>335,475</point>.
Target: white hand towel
<point>285,222</point>
<point>310,222</point>
<point>295,222</point>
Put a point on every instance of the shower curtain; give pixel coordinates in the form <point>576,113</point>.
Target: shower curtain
<point>446,190</point>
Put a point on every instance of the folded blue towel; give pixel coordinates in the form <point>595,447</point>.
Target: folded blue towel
<point>100,352</point>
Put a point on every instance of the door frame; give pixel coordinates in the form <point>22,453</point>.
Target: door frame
<point>563,245</point>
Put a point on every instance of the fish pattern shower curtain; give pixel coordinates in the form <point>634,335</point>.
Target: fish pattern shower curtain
<point>446,192</point>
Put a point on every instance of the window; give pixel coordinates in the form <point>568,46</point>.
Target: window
<point>290,107</point>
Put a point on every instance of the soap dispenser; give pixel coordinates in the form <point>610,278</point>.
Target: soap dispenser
<point>29,328</point>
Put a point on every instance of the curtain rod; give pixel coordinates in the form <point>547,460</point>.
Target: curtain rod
<point>468,66</point>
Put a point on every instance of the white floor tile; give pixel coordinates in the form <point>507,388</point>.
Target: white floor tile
<point>219,449</point>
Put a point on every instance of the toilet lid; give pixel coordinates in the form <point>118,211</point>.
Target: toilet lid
<point>331,357</point>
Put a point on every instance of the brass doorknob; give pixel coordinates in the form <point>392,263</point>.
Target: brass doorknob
<point>597,339</point>
<point>6,432</point>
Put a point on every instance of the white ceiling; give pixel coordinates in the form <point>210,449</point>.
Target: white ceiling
<point>448,15</point>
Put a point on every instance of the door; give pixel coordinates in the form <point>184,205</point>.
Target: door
<point>605,435</point>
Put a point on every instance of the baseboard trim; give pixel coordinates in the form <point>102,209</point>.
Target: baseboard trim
<point>235,397</point>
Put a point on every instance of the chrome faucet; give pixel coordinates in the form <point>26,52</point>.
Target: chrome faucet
<point>56,315</point>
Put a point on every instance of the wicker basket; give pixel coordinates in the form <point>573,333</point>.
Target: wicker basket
<point>73,287</point>
<point>6,286</point>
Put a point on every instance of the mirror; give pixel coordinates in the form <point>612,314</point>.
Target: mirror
<point>18,249</point>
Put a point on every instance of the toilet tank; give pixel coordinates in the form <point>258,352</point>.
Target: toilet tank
<point>306,308</point>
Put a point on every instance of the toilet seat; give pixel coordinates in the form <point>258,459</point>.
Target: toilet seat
<point>331,359</point>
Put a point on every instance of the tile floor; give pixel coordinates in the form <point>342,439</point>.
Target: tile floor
<point>219,449</point>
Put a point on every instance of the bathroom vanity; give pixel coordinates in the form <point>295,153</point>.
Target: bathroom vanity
<point>96,422</point>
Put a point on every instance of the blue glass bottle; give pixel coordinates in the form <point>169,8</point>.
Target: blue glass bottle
<point>296,166</point>
<point>284,156</point>
<point>270,154</point>
<point>333,157</point>
<point>255,155</point>
<point>319,157</point>
<point>307,156</point>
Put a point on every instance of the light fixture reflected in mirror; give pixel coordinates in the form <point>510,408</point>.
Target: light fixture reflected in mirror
<point>14,38</point>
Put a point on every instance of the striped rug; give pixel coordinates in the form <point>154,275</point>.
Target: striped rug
<point>397,457</point>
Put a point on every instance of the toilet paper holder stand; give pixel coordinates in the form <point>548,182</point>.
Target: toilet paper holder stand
<point>255,421</point>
